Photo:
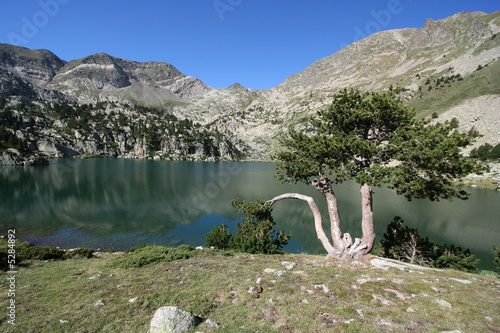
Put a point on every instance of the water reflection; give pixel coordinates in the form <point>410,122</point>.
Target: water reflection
<point>114,203</point>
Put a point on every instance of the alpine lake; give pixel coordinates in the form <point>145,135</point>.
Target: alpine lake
<point>120,203</point>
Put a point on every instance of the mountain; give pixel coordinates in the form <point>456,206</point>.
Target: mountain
<point>145,83</point>
<point>461,41</point>
<point>447,67</point>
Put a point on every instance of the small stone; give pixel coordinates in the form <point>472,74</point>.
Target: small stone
<point>410,310</point>
<point>199,248</point>
<point>280,273</point>
<point>461,280</point>
<point>289,264</point>
<point>63,321</point>
<point>444,303</point>
<point>269,270</point>
<point>133,300</point>
<point>99,303</point>
<point>258,281</point>
<point>211,323</point>
<point>325,289</point>
<point>348,321</point>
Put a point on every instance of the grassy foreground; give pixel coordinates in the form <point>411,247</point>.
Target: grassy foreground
<point>318,295</point>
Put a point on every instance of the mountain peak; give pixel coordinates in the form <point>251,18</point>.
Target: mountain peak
<point>37,66</point>
<point>236,86</point>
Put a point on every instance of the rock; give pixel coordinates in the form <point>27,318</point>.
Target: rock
<point>172,319</point>
<point>289,264</point>
<point>211,323</point>
<point>269,270</point>
<point>461,280</point>
<point>444,303</point>
<point>385,264</point>
<point>133,300</point>
<point>280,273</point>
<point>410,310</point>
<point>322,287</point>
<point>99,303</point>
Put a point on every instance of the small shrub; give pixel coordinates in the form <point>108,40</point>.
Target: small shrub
<point>496,249</point>
<point>456,258</point>
<point>134,248</point>
<point>153,254</point>
<point>219,237</point>
<point>254,234</point>
<point>405,244</point>
<point>79,253</point>
<point>40,252</point>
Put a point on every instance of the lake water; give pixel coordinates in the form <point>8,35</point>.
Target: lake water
<point>119,203</point>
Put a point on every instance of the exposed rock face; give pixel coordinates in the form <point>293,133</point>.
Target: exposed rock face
<point>13,156</point>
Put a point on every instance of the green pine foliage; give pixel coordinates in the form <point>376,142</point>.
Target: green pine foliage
<point>496,249</point>
<point>254,234</point>
<point>219,237</point>
<point>147,255</point>
<point>362,134</point>
<point>486,152</point>
<point>455,258</point>
<point>403,243</point>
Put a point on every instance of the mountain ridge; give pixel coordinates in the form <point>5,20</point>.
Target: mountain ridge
<point>405,59</point>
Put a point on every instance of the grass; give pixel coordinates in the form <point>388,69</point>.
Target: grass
<point>319,295</point>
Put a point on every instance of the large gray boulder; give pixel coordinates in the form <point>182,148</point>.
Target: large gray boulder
<point>171,319</point>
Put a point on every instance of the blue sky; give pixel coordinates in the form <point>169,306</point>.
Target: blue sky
<point>257,43</point>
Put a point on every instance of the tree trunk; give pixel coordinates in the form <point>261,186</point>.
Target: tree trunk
<point>318,220</point>
<point>325,187</point>
<point>365,245</point>
<point>342,243</point>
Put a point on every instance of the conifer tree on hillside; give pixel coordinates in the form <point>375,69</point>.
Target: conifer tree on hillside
<point>375,140</point>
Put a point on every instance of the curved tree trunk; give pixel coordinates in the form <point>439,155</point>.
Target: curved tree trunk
<point>325,187</point>
<point>318,220</point>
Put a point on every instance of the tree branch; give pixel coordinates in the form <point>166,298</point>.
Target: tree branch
<point>318,219</point>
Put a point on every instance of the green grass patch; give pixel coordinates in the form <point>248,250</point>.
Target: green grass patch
<point>318,295</point>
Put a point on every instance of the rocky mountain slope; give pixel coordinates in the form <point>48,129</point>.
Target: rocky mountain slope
<point>447,67</point>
